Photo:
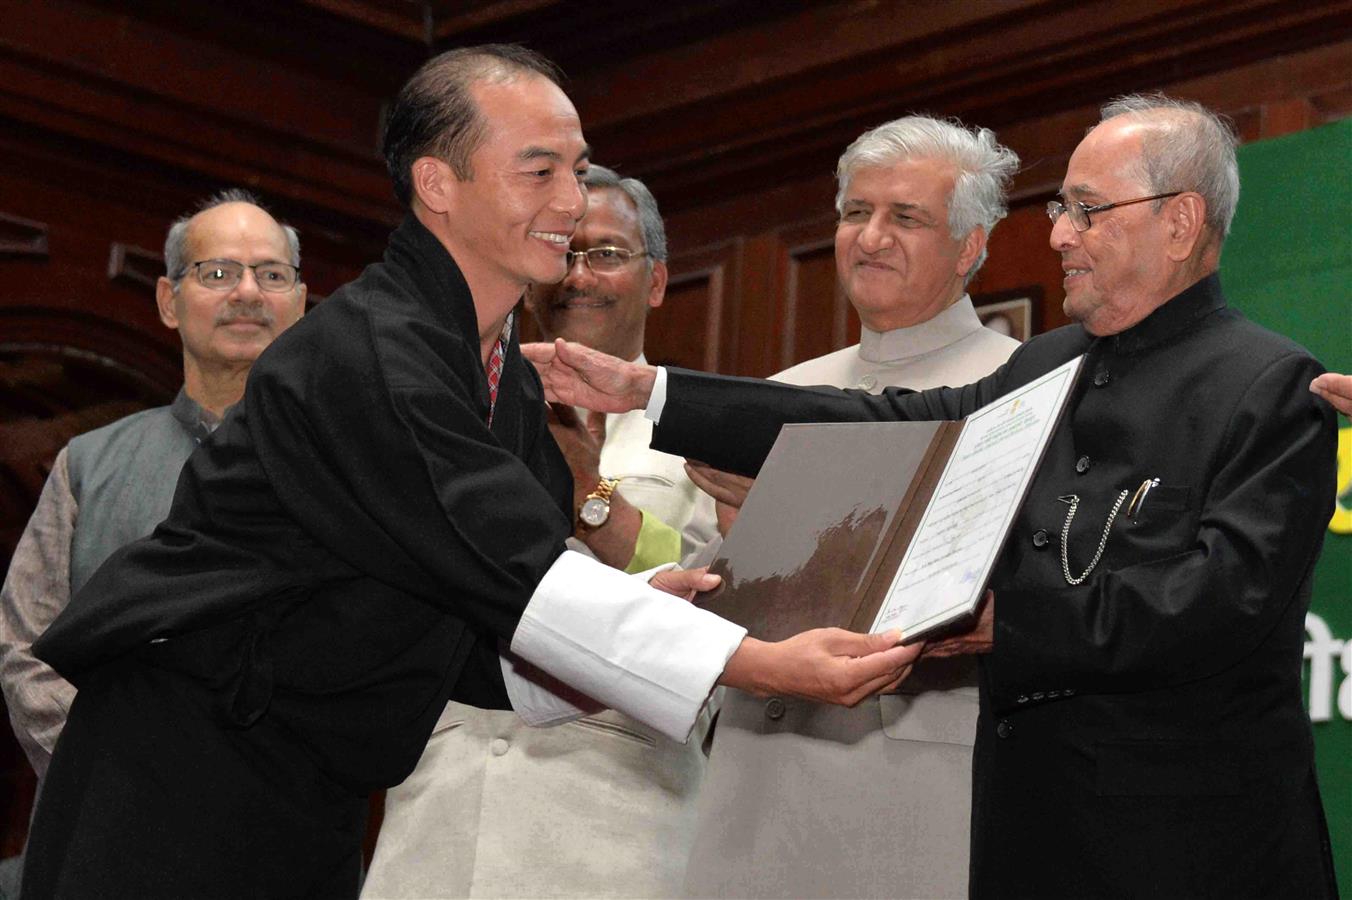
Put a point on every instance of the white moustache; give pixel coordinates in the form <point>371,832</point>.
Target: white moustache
<point>258,313</point>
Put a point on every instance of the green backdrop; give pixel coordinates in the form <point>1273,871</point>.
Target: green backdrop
<point>1288,265</point>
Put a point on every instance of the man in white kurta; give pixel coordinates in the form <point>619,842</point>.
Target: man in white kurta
<point>802,800</point>
<point>602,806</point>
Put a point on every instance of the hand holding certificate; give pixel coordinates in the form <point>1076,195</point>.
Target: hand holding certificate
<point>878,526</point>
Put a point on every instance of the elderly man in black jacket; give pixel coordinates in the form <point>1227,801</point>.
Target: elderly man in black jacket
<point>1141,730</point>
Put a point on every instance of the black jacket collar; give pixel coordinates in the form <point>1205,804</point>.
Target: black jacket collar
<point>1176,315</point>
<point>436,279</point>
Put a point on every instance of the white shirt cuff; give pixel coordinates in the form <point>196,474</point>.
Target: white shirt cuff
<point>658,398</point>
<point>633,648</point>
<point>538,697</point>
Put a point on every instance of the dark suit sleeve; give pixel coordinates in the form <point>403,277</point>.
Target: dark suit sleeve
<point>1169,620</point>
<point>731,423</point>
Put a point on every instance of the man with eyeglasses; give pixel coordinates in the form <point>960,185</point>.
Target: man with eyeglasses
<point>1141,731</point>
<point>617,274</point>
<point>231,285</point>
<point>606,787</point>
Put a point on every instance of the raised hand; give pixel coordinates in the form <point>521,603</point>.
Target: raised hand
<point>829,665</point>
<point>580,376</point>
<point>581,444</point>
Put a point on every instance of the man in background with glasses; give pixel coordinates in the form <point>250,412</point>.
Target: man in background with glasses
<point>231,285</point>
<point>617,274</point>
<point>611,801</point>
<point>1141,731</point>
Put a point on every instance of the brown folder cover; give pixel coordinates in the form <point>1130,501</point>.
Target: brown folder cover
<point>826,524</point>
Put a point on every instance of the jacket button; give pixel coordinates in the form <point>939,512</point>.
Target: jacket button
<point>1082,465</point>
<point>1040,538</point>
<point>1004,729</point>
<point>774,708</point>
<point>1023,698</point>
<point>1100,378</point>
<point>498,747</point>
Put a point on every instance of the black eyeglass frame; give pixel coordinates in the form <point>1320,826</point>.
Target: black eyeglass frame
<point>626,256</point>
<point>262,285</point>
<point>1055,208</point>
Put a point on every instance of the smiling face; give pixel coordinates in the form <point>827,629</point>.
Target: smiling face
<point>604,310</point>
<point>895,256</point>
<point>510,224</point>
<point>1118,271</point>
<point>228,329</point>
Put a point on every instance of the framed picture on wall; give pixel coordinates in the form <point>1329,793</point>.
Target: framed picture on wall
<point>1015,313</point>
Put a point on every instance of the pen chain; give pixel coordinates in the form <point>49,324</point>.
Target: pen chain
<point>1074,501</point>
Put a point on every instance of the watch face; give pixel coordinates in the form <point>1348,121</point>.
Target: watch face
<point>594,512</point>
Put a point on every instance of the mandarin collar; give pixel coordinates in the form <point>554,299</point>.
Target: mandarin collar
<point>1173,317</point>
<point>948,327</point>
<point>196,419</point>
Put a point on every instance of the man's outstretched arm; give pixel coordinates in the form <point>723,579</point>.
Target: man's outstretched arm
<point>616,639</point>
<point>576,375</point>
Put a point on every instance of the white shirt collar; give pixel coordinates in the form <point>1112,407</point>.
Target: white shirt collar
<point>948,327</point>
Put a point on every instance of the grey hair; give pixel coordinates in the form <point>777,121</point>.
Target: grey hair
<point>176,243</point>
<point>1187,148</point>
<point>649,219</point>
<point>985,168</point>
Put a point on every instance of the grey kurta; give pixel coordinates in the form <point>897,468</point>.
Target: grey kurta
<point>107,488</point>
<point>805,800</point>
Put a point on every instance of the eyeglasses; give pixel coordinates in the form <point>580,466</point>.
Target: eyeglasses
<point>605,259</point>
<point>224,274</point>
<point>1079,211</point>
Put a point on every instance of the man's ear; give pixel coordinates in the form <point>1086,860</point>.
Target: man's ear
<point>164,302</point>
<point>658,292</point>
<point>972,245</point>
<point>1186,217</point>
<point>434,184</point>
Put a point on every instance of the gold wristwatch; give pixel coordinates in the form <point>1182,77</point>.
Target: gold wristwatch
<point>596,507</point>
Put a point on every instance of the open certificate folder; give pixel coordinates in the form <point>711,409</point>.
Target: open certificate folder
<point>872,526</point>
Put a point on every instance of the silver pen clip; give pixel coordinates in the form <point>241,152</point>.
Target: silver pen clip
<point>1138,499</point>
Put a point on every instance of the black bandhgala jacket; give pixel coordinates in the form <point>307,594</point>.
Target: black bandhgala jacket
<point>1142,733</point>
<point>348,548</point>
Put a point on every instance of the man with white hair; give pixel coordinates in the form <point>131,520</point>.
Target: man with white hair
<point>917,200</point>
<point>1141,730</point>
